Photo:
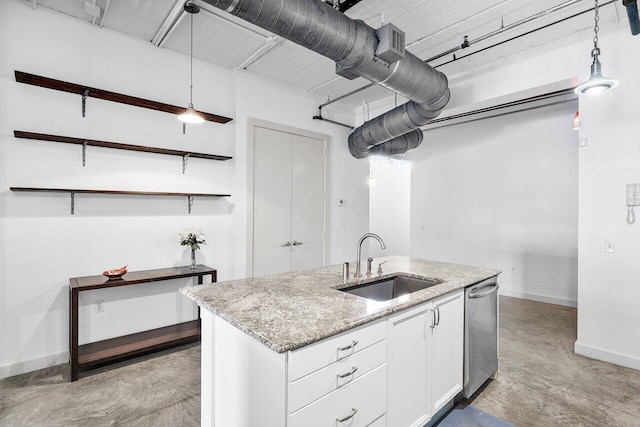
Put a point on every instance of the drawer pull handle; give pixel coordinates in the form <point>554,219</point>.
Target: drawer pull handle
<point>348,417</point>
<point>348,347</point>
<point>348,374</point>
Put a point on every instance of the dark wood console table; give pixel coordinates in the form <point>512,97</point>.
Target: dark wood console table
<point>92,355</point>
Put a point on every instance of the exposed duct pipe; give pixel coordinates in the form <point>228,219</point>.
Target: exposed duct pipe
<point>352,45</point>
<point>632,14</point>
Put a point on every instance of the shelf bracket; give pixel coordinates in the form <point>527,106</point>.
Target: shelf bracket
<point>190,202</point>
<point>185,160</point>
<point>84,153</point>
<point>85,94</point>
<point>73,203</point>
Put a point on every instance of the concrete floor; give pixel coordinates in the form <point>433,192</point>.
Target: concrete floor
<point>541,383</point>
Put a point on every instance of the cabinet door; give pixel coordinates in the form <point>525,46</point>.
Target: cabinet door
<point>409,350</point>
<point>447,357</point>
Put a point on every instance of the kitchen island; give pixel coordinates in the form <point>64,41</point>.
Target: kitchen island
<point>274,348</point>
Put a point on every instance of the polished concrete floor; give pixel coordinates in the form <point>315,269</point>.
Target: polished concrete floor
<point>541,383</point>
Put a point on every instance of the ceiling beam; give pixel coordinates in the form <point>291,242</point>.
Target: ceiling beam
<point>104,13</point>
<point>170,22</point>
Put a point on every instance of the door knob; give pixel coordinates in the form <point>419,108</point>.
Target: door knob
<point>286,244</point>
<point>296,243</point>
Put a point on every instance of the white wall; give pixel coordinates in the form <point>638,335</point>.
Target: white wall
<point>389,206</point>
<point>607,287</point>
<point>608,293</point>
<point>502,193</point>
<point>42,245</point>
<point>258,97</point>
<point>608,316</point>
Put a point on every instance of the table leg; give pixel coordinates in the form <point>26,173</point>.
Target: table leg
<point>73,333</point>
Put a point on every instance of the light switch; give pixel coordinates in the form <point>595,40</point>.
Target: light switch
<point>610,246</point>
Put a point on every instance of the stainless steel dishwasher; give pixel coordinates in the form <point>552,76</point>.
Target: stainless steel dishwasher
<point>480,334</point>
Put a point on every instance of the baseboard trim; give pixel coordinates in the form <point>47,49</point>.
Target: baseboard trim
<point>607,356</point>
<point>539,298</point>
<point>33,364</point>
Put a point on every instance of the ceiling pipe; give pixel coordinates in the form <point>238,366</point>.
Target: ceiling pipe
<point>632,14</point>
<point>352,45</point>
<point>104,13</point>
<point>468,43</point>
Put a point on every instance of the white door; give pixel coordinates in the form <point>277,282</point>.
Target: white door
<point>409,350</point>
<point>307,203</point>
<point>288,202</point>
<point>448,345</point>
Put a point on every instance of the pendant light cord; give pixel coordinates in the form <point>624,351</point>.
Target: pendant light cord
<point>596,50</point>
<point>191,56</point>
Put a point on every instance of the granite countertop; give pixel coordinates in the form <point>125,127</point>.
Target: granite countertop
<point>290,310</point>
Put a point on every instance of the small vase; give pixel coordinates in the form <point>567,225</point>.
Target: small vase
<point>193,259</point>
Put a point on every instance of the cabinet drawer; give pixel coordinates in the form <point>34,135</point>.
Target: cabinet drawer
<point>315,356</point>
<point>315,385</point>
<point>365,399</point>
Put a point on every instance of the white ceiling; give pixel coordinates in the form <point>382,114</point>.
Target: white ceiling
<point>431,27</point>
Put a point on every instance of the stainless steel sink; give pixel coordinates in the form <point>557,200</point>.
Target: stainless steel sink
<point>390,288</point>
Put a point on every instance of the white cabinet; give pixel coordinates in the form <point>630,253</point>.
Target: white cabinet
<point>409,351</point>
<point>357,404</point>
<point>396,371</point>
<point>245,384</point>
<point>425,359</point>
<point>339,381</point>
<point>448,349</point>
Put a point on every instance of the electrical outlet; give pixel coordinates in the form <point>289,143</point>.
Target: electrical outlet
<point>99,305</point>
<point>610,246</point>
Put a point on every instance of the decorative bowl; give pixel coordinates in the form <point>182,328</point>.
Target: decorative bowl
<point>115,273</point>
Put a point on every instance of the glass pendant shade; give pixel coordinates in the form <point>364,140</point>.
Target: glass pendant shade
<point>190,116</point>
<point>597,82</point>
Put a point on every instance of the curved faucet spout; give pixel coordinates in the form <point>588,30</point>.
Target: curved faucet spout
<point>359,250</point>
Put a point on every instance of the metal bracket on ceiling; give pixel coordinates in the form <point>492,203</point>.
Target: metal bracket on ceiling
<point>185,160</point>
<point>84,153</point>
<point>73,203</point>
<point>190,202</point>
<point>85,95</point>
<point>319,117</point>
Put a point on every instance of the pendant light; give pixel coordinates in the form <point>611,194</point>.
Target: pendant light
<point>191,115</point>
<point>597,82</point>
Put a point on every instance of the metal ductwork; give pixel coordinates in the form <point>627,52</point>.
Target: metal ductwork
<point>632,14</point>
<point>353,45</point>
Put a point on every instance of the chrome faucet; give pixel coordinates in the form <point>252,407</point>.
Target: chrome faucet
<point>362,239</point>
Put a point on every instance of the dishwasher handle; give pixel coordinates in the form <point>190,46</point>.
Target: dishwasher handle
<point>492,288</point>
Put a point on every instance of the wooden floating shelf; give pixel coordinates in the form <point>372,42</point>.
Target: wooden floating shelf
<point>116,145</point>
<point>74,191</point>
<point>87,91</point>
<point>126,192</point>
